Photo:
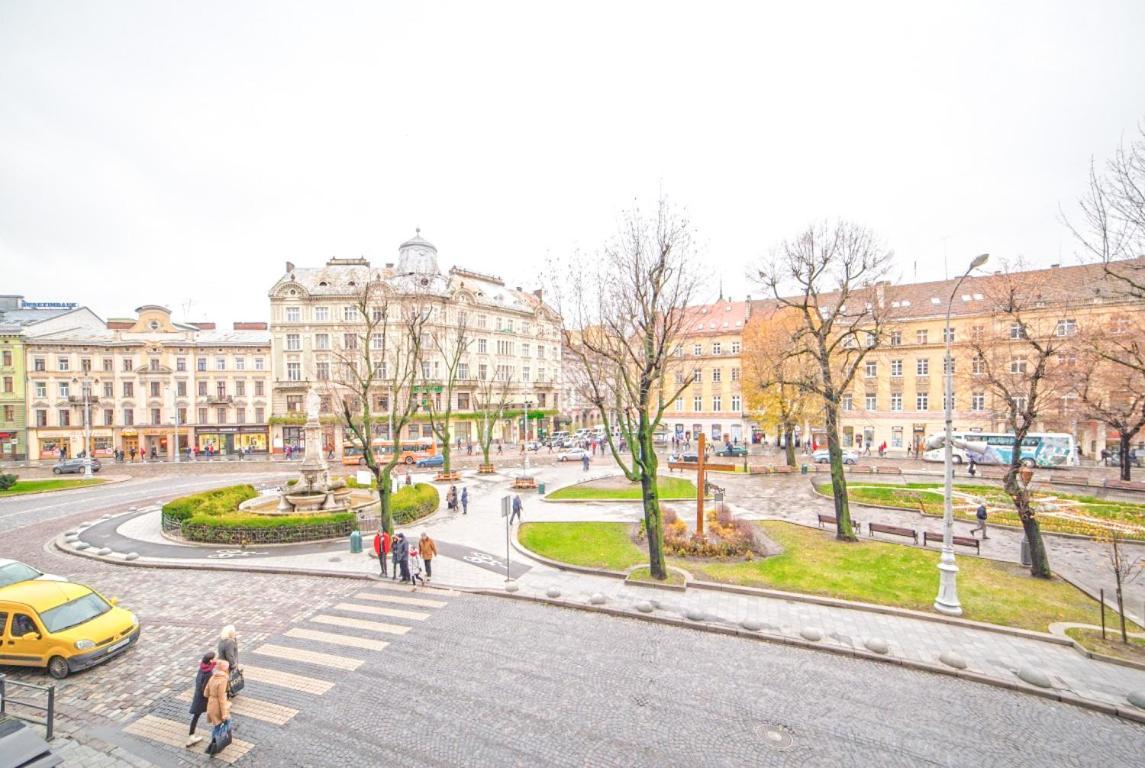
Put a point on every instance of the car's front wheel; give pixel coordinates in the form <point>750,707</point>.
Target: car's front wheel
<point>58,667</point>
<point>409,460</point>
<point>56,470</point>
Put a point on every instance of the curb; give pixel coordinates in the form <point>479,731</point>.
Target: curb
<point>831,602</point>
<point>1126,713</point>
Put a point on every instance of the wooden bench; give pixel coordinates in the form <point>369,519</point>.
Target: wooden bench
<point>962,541</point>
<point>888,470</point>
<point>1125,485</point>
<point>1068,480</point>
<point>892,530</point>
<point>833,521</point>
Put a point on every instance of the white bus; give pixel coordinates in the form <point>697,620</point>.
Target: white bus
<point>1042,449</point>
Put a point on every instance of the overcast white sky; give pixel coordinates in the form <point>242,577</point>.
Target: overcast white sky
<point>175,152</point>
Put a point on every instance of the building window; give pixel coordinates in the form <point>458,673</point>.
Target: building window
<point>181,364</point>
<point>1066,328</point>
<point>6,358</point>
<point>482,346</point>
<point>978,365</point>
<point>735,347</point>
<point>65,417</point>
<point>156,416</point>
<point>948,335</point>
<point>108,365</point>
<point>240,363</point>
<point>978,401</point>
<point>896,338</point>
<point>202,415</point>
<point>922,366</point>
<point>896,369</point>
<point>259,414</point>
<point>41,388</point>
<point>181,415</point>
<point>152,365</point>
<point>321,315</point>
<point>463,401</point>
<point>920,336</point>
<point>154,389</point>
<point>736,403</point>
<point>350,313</point>
<point>9,413</point>
<point>259,364</point>
<point>896,401</point>
<point>1017,365</point>
<point>462,371</point>
<point>240,415</point>
<point>525,349</point>
<point>697,375</point>
<point>871,369</point>
<point>717,348</point>
<point>108,417</point>
<point>1019,404</point>
<point>85,364</point>
<point>922,402</point>
<point>716,375</point>
<point>322,341</point>
<point>202,389</point>
<point>220,389</point>
<point>128,389</point>
<point>221,415</point>
<point>65,389</point>
<point>871,402</point>
<point>322,371</point>
<point>128,364</point>
<point>1017,331</point>
<point>697,349</point>
<point>181,389</point>
<point>9,385</point>
<point>201,364</point>
<point>525,374</point>
<point>294,342</point>
<point>128,417</point>
<point>62,363</point>
<point>717,403</point>
<point>294,371</point>
<point>41,418</point>
<point>679,403</point>
<point>38,364</point>
<point>848,403</point>
<point>697,403</point>
<point>293,314</point>
<point>735,374</point>
<point>240,388</point>
<point>258,389</point>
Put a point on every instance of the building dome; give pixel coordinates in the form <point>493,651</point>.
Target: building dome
<point>417,255</point>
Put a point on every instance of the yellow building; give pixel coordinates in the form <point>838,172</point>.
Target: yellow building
<point>146,384</point>
<point>709,354</point>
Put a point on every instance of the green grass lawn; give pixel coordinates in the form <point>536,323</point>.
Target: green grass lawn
<point>1056,512</point>
<point>813,562</point>
<point>54,484</point>
<point>643,573</point>
<point>1134,650</point>
<point>668,487</point>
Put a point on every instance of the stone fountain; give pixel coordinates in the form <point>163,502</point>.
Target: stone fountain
<point>313,491</point>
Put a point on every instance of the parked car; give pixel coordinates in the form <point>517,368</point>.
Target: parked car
<point>822,456</point>
<point>74,466</point>
<point>436,460</point>
<point>688,457</point>
<point>572,454</point>
<point>13,572</point>
<point>732,450</point>
<point>63,626</point>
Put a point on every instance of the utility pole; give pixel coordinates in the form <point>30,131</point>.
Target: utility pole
<point>700,447</point>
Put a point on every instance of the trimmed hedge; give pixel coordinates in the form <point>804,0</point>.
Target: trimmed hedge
<point>7,481</point>
<point>221,501</point>
<point>413,502</point>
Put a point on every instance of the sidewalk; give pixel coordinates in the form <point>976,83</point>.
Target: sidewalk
<point>472,554</point>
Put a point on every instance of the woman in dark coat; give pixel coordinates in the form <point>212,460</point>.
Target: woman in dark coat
<point>198,698</point>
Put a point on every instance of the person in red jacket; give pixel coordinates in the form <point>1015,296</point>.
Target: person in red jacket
<point>382,547</point>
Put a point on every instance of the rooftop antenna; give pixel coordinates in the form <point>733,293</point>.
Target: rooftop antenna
<point>945,259</point>
<point>721,289</point>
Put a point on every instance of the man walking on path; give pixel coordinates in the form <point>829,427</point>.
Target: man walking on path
<point>464,501</point>
<point>428,551</point>
<point>395,557</point>
<point>401,554</point>
<point>584,462</point>
<point>382,549</point>
<point>981,515</point>
<point>517,506</point>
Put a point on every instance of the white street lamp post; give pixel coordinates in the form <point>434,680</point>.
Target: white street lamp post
<point>947,600</point>
<point>85,383</point>
<point>528,405</point>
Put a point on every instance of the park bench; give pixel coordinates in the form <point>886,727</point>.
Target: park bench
<point>860,469</point>
<point>832,521</point>
<point>888,470</point>
<point>1068,480</point>
<point>892,530</point>
<point>1125,485</point>
<point>781,469</point>
<point>962,541</point>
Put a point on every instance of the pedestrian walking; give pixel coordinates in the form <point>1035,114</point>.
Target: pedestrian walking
<point>499,449</point>
<point>451,498</point>
<point>218,707</point>
<point>517,507</point>
<point>395,557</point>
<point>133,454</point>
<point>584,462</point>
<point>464,501</point>
<point>981,515</point>
<point>428,550</point>
<point>228,650</point>
<point>401,554</point>
<point>973,467</point>
<point>415,567</point>
<point>199,695</point>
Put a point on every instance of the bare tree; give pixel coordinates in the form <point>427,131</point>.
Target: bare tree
<point>1110,381</point>
<point>834,272</point>
<point>377,365</point>
<point>1018,360</point>
<point>631,306</point>
<point>451,342</point>
<point>772,375</point>
<point>1125,569</point>
<point>491,398</point>
<point>1111,227</point>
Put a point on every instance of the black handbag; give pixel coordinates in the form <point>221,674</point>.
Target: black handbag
<point>220,738</point>
<point>235,683</point>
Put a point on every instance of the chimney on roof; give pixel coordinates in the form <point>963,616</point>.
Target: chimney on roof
<point>540,294</point>
<point>249,326</point>
<point>747,309</point>
<point>1054,266</point>
<point>389,265</point>
<point>204,326</point>
<point>290,266</point>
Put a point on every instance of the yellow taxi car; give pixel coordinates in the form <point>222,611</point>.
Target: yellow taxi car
<point>63,626</point>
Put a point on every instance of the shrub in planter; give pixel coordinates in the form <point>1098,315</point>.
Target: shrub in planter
<point>413,502</point>
<point>217,502</point>
<point>7,481</point>
<point>254,529</point>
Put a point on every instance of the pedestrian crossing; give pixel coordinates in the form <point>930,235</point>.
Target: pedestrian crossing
<point>281,675</point>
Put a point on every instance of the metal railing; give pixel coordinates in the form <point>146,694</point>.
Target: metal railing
<point>6,700</point>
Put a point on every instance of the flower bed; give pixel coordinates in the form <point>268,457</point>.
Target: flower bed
<point>213,517</point>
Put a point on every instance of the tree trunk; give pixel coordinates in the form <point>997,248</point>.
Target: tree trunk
<point>789,444</point>
<point>1121,610</point>
<point>650,495</point>
<point>385,492</point>
<point>1123,440</point>
<point>1040,561</point>
<point>843,529</point>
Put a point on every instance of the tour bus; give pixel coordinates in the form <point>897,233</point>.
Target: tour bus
<point>1043,449</point>
<point>410,451</point>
